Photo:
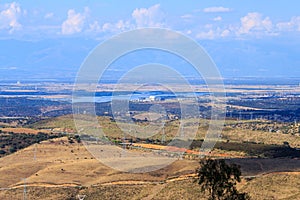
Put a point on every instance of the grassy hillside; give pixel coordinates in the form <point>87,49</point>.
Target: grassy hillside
<point>262,188</point>
<point>233,131</point>
<point>236,140</point>
<point>58,169</point>
<point>63,170</point>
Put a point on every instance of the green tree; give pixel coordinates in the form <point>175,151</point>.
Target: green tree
<point>12,149</point>
<point>219,180</point>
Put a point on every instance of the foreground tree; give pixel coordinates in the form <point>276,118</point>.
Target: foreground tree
<point>219,180</point>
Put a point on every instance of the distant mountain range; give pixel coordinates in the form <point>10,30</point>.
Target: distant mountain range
<point>57,59</point>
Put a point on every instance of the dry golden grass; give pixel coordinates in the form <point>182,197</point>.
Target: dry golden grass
<point>61,163</point>
<point>63,170</point>
<point>274,186</point>
<point>240,135</point>
<point>267,187</point>
<point>171,129</point>
<point>24,130</point>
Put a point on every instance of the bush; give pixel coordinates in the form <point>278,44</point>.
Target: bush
<point>2,152</point>
<point>13,149</point>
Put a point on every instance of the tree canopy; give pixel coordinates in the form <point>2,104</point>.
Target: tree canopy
<point>219,179</point>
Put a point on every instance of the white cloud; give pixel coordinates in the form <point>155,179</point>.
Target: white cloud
<point>187,16</point>
<point>254,22</point>
<point>206,35</point>
<point>216,9</point>
<point>94,27</point>
<point>217,18</point>
<point>108,27</point>
<point>215,32</point>
<point>149,17</point>
<point>121,25</point>
<point>208,26</point>
<point>49,15</point>
<point>74,23</point>
<point>292,25</point>
<point>225,33</point>
<point>188,32</point>
<point>9,17</point>
<point>141,17</point>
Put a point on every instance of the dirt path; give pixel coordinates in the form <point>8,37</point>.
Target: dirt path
<point>158,183</point>
<point>154,191</point>
<point>179,178</point>
<point>158,186</point>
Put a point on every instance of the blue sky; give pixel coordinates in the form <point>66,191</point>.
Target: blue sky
<point>244,38</point>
